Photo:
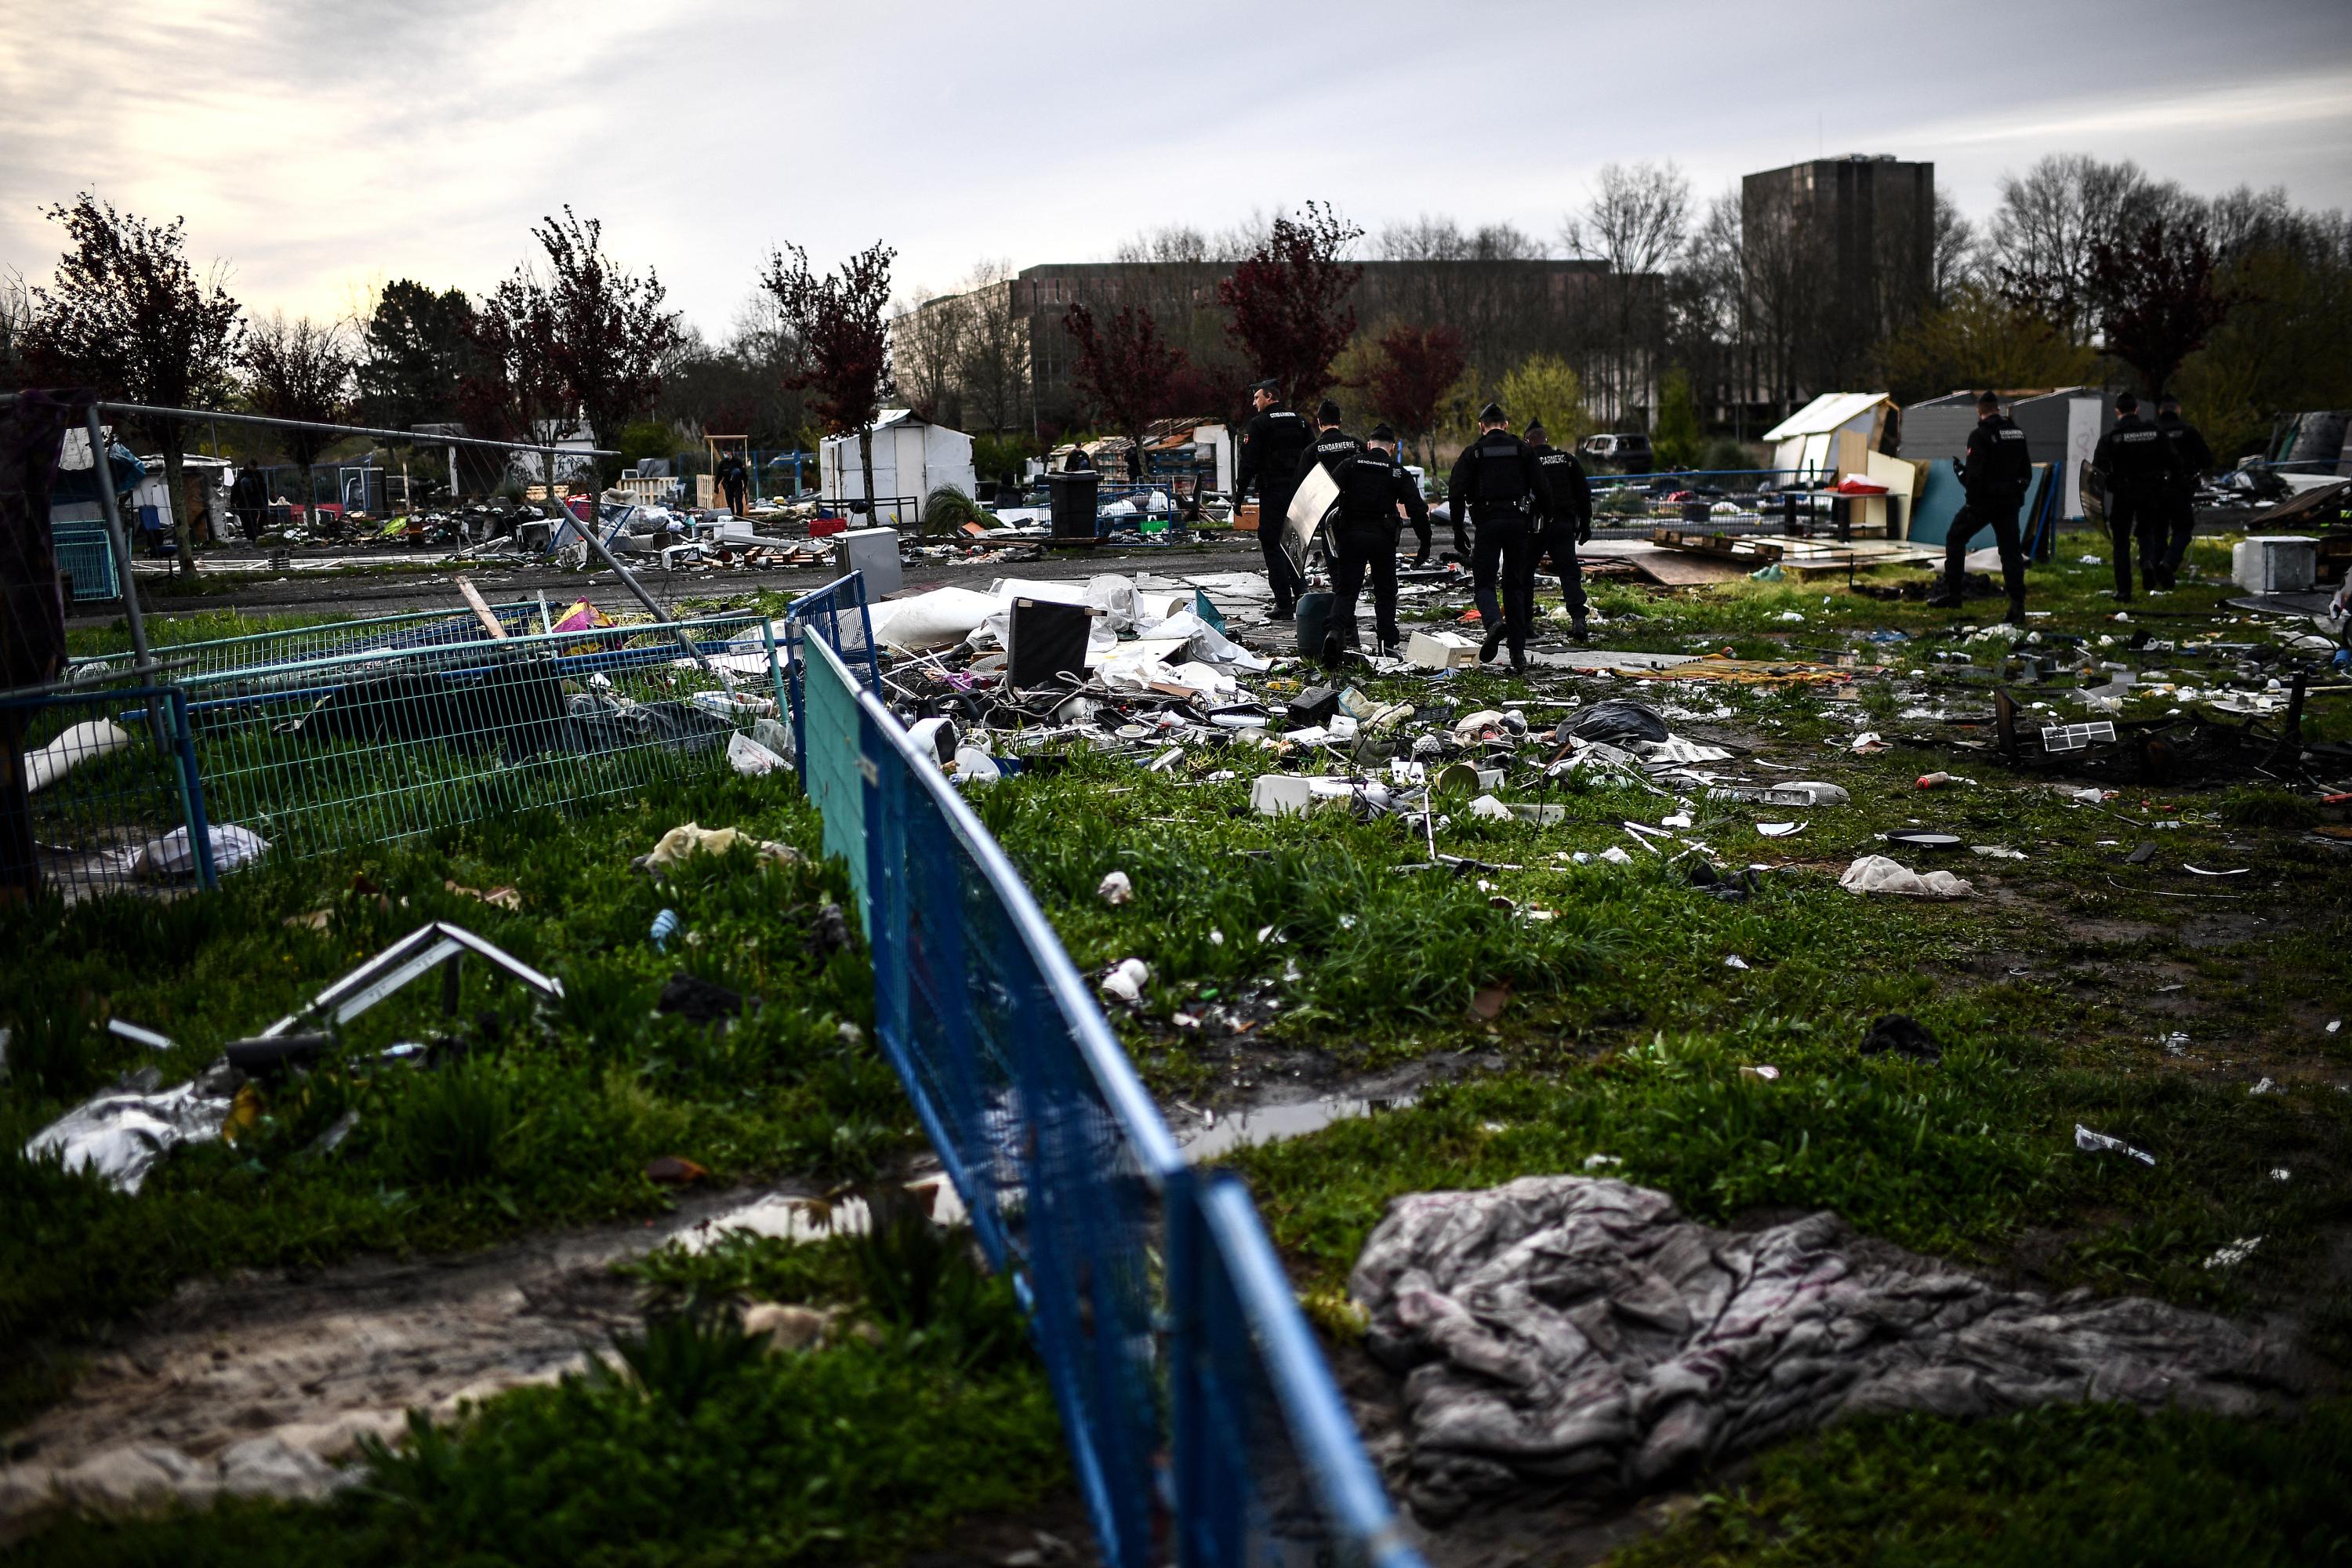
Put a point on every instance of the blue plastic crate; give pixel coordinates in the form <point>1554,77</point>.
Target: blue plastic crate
<point>88,558</point>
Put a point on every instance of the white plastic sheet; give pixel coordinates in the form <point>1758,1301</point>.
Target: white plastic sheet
<point>1879,874</point>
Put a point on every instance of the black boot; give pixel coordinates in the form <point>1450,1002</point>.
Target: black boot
<point>2016,616</point>
<point>1494,640</point>
<point>1519,661</point>
<point>1576,630</point>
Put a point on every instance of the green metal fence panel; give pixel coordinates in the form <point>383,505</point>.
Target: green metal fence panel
<point>838,771</point>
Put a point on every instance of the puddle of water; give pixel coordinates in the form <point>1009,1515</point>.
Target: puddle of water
<point>1205,1141</point>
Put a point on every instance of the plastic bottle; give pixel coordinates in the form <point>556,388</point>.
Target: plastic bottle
<point>1934,781</point>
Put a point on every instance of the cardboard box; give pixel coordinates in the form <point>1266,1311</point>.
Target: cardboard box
<point>1440,651</point>
<point>1246,517</point>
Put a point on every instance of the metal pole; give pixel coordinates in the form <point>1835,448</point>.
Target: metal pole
<point>594,535</point>
<point>103,472</point>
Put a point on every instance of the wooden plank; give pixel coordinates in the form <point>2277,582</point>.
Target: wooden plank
<point>481,608</point>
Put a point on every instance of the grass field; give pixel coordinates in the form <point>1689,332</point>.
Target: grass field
<point>1298,954</point>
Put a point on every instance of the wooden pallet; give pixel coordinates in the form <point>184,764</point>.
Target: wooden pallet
<point>1799,555</point>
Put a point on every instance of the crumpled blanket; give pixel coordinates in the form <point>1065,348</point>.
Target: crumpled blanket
<point>1580,1334</point>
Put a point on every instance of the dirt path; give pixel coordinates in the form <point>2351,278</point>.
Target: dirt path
<point>318,1360</point>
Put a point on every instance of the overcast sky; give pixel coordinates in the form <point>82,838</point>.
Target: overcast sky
<point>319,148</point>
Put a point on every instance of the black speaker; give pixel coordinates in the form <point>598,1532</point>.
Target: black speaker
<point>1044,641</point>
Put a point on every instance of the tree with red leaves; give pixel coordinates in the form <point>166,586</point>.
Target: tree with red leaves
<point>608,332</point>
<point>589,341</point>
<point>1124,368</point>
<point>1412,369</point>
<point>1288,300</point>
<point>2157,298</point>
<point>127,315</point>
<point>845,342</point>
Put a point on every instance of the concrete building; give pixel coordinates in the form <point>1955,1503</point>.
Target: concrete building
<point>1839,252</point>
<point>1505,309</point>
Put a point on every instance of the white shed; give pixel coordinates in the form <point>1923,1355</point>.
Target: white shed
<point>912,458</point>
<point>1807,439</point>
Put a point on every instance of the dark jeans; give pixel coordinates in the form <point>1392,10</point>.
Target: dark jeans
<point>1280,574</point>
<point>2180,514</point>
<point>1358,547</point>
<point>1998,513</point>
<point>2135,516</point>
<point>1504,555</point>
<point>1559,541</point>
<point>734,499</point>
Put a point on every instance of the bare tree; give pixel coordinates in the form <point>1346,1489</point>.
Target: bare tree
<point>1959,257</point>
<point>843,341</point>
<point>927,342</point>
<point>300,370</point>
<point>16,321</point>
<point>1638,222</point>
<point>126,315</point>
<point>994,369</point>
<point>2050,221</point>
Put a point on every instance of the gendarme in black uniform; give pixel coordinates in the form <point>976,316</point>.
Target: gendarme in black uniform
<point>1568,521</point>
<point>2191,457</point>
<point>1271,443</point>
<point>1373,485</point>
<point>1995,474</point>
<point>1496,483</point>
<point>2138,462</point>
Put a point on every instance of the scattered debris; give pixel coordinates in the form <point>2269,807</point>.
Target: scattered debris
<point>1116,888</point>
<point>2092,1142</point>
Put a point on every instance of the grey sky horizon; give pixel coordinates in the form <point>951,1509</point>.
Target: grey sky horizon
<point>321,150</point>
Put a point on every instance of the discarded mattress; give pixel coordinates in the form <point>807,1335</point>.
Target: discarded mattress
<point>1578,1334</point>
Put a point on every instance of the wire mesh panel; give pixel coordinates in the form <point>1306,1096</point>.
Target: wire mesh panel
<point>366,747</point>
<point>1067,1170</point>
<point>1267,1466</point>
<point>1057,1158</point>
<point>329,638</point>
<point>114,801</point>
<point>835,612</point>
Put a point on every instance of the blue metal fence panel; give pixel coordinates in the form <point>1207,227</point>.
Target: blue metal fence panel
<point>1074,1182</point>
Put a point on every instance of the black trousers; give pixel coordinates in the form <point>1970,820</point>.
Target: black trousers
<point>1998,513</point>
<point>1280,574</point>
<point>734,490</point>
<point>2180,514</point>
<point>1503,560</point>
<point>1560,543</point>
<point>1358,549</point>
<point>2135,515</point>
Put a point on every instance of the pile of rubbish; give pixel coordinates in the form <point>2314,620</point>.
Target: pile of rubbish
<point>1153,669</point>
